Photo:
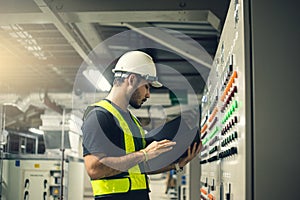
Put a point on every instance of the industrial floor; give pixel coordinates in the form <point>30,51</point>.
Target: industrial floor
<point>158,187</point>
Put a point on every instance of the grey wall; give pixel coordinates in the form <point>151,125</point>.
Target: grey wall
<point>275,70</point>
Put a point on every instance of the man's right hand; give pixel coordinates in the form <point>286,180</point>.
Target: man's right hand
<point>158,147</point>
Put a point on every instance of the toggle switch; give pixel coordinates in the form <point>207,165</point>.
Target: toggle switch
<point>45,195</point>
<point>26,183</point>
<point>213,186</point>
<point>26,195</point>
<point>228,195</point>
<point>45,184</point>
<point>233,150</point>
<point>235,119</point>
<point>235,135</point>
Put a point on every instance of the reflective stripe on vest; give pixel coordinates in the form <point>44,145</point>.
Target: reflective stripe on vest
<point>135,180</point>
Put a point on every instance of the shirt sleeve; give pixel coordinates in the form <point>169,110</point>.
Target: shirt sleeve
<point>102,135</point>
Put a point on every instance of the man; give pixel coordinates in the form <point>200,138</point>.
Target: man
<point>115,152</point>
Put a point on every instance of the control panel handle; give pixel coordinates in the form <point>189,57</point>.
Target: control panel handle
<point>45,184</point>
<point>213,185</point>
<point>26,183</point>
<point>228,195</point>
<point>26,195</point>
<point>45,196</point>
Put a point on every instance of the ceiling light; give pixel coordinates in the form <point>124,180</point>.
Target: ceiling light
<point>118,47</point>
<point>93,75</point>
<point>37,131</point>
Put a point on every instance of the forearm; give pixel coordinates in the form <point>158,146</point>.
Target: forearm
<point>110,166</point>
<point>102,166</point>
<point>125,162</point>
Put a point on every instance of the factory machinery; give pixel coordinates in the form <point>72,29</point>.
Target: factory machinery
<point>58,173</point>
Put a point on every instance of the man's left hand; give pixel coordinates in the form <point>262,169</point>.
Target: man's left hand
<point>192,153</point>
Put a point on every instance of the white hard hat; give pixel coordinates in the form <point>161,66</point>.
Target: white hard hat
<point>140,63</point>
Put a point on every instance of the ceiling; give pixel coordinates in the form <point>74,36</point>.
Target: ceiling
<point>45,46</point>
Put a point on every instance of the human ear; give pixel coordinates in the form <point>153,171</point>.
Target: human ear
<point>134,80</point>
<point>131,79</point>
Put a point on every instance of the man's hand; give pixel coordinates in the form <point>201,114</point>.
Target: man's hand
<point>158,147</point>
<point>192,153</point>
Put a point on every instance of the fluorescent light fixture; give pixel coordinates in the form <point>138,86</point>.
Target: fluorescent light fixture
<point>26,40</point>
<point>117,47</point>
<point>37,131</point>
<point>93,75</point>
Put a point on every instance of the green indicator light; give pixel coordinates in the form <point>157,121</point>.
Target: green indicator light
<point>232,108</point>
<point>235,103</point>
<point>214,132</point>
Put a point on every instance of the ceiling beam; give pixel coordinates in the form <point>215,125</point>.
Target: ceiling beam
<point>89,32</point>
<point>216,6</point>
<point>92,37</point>
<point>177,45</point>
<point>140,16</point>
<point>65,30</point>
<point>48,16</point>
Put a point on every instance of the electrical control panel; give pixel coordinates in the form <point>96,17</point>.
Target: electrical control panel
<point>37,177</point>
<point>31,179</point>
<point>223,118</point>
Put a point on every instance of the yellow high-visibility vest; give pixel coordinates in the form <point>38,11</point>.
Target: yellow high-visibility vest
<point>135,180</point>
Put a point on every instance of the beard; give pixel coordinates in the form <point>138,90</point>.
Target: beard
<point>134,100</point>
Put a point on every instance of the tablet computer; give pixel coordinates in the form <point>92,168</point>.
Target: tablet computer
<point>179,130</point>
